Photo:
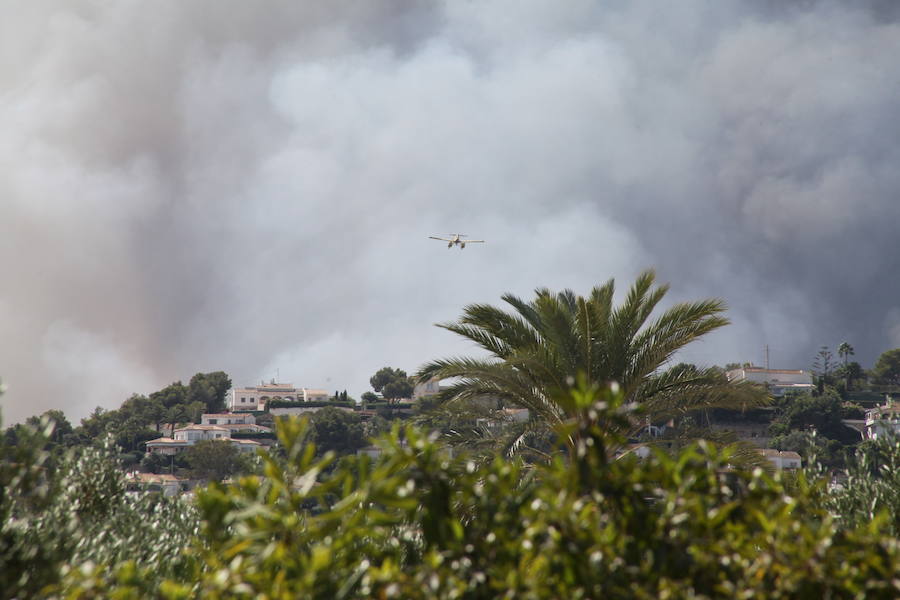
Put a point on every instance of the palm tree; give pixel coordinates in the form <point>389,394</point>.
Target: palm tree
<point>845,351</point>
<point>538,351</point>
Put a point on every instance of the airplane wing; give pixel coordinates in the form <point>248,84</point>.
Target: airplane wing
<point>431,237</point>
<point>473,241</point>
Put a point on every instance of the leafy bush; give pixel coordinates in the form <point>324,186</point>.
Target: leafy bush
<point>868,490</point>
<point>79,514</point>
<point>422,522</point>
<point>216,460</point>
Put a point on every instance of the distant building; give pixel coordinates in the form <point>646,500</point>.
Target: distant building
<point>244,422</point>
<point>756,434</point>
<point>882,420</point>
<point>782,459</point>
<point>503,417</point>
<point>641,451</point>
<point>190,435</point>
<point>372,452</point>
<point>425,389</point>
<point>164,483</point>
<point>256,398</point>
<point>777,381</point>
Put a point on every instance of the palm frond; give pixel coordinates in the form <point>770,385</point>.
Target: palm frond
<point>538,348</point>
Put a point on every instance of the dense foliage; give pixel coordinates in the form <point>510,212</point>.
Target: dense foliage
<point>868,490</point>
<point>426,521</point>
<point>422,522</point>
<point>71,511</point>
<point>336,430</point>
<point>393,384</point>
<point>887,368</point>
<point>142,418</point>
<point>217,459</point>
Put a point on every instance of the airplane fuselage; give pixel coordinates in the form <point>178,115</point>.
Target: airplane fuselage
<point>456,240</point>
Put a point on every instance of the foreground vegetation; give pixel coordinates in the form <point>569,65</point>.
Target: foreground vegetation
<point>420,522</point>
<point>572,517</point>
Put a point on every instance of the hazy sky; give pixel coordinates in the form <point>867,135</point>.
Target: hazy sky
<point>249,187</point>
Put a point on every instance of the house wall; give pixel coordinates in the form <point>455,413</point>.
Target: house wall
<point>230,419</point>
<point>771,376</point>
<point>300,410</point>
<point>255,398</point>
<point>426,389</point>
<point>167,450</point>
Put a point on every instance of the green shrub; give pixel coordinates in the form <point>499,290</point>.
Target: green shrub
<point>79,514</point>
<point>422,522</point>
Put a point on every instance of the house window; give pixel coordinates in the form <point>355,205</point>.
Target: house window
<point>213,421</point>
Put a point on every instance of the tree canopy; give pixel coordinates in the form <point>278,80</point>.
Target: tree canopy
<point>216,459</point>
<point>538,351</point>
<point>336,430</point>
<point>210,389</point>
<point>393,384</point>
<point>887,368</point>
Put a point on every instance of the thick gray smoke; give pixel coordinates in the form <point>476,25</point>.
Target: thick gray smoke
<point>249,187</point>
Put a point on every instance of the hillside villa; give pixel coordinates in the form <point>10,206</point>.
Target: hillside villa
<point>882,419</point>
<point>256,397</point>
<point>213,426</point>
<point>777,381</point>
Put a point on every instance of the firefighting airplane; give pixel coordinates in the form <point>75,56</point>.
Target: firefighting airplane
<point>454,239</point>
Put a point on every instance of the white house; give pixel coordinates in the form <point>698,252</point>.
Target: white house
<point>234,422</point>
<point>167,484</point>
<point>778,381</point>
<point>782,459</point>
<point>425,389</point>
<point>190,435</point>
<point>504,417</point>
<point>372,452</point>
<point>256,397</point>
<point>883,419</point>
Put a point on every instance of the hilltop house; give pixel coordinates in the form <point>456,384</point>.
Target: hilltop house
<point>256,397</point>
<point>777,381</point>
<point>243,422</point>
<point>425,389</point>
<point>782,459</point>
<point>190,435</point>
<point>166,484</point>
<point>882,419</point>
